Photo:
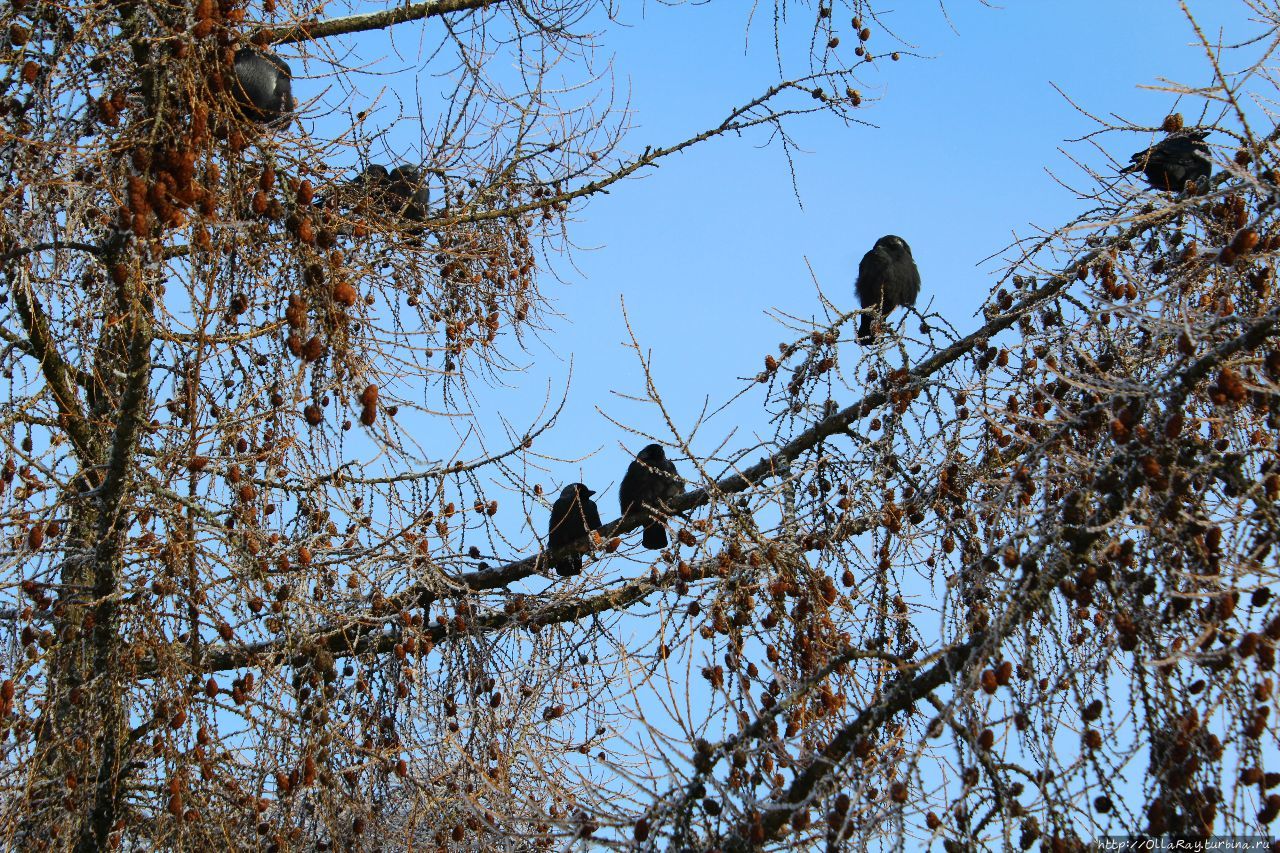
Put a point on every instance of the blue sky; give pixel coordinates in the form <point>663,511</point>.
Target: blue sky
<point>966,134</point>
<point>958,155</point>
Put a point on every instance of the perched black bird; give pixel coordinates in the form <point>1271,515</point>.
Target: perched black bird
<point>373,176</point>
<point>573,516</point>
<point>408,184</point>
<point>402,190</point>
<point>887,279</point>
<point>265,90</point>
<point>371,183</point>
<point>651,480</point>
<point>1174,160</point>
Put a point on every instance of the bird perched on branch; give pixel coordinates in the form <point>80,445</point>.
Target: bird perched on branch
<point>573,516</point>
<point>265,89</point>
<point>408,185</point>
<point>371,183</point>
<point>373,177</point>
<point>1173,161</point>
<point>887,279</point>
<point>651,480</point>
<point>402,190</point>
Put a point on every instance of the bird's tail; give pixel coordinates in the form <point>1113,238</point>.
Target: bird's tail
<point>655,536</point>
<point>865,335</point>
<point>570,566</point>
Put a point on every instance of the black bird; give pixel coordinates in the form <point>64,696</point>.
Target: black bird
<point>374,176</point>
<point>372,182</point>
<point>887,279</point>
<point>402,190</point>
<point>409,185</point>
<point>1174,160</point>
<point>265,90</point>
<point>651,480</point>
<point>573,516</point>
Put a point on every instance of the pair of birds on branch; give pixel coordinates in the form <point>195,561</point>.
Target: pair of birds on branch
<point>401,190</point>
<point>650,483</point>
<point>888,277</point>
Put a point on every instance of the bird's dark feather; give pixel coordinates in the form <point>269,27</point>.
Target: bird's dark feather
<point>651,480</point>
<point>573,516</point>
<point>265,90</point>
<point>887,279</point>
<point>1173,161</point>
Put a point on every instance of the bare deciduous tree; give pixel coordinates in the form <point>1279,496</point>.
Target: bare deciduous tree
<point>985,589</point>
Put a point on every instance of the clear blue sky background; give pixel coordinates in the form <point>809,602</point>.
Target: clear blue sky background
<point>959,160</point>
<point>962,137</point>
